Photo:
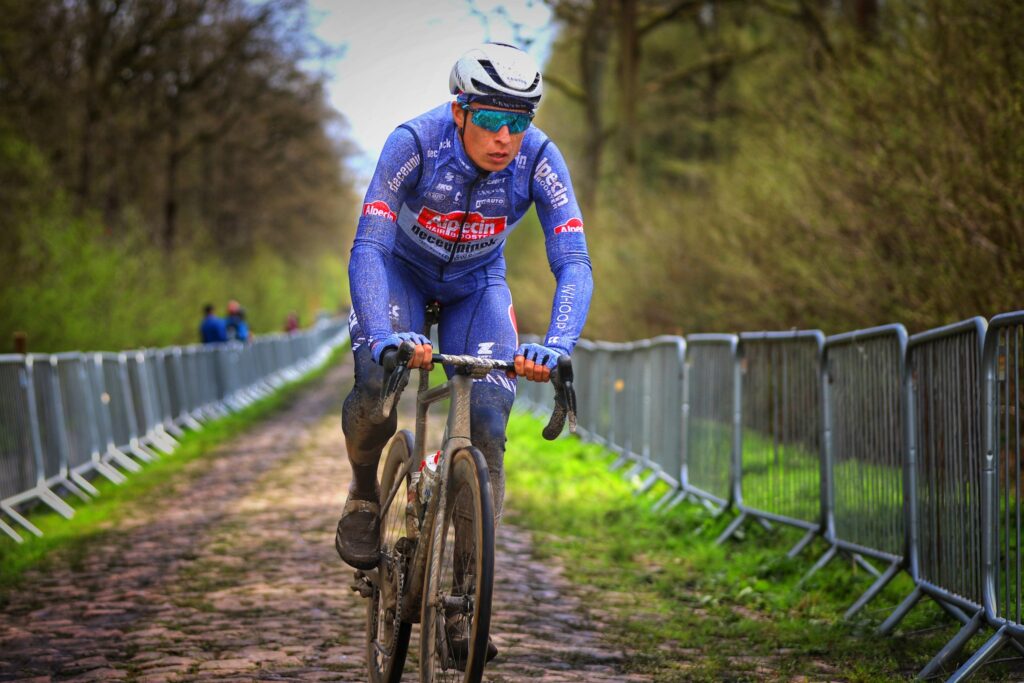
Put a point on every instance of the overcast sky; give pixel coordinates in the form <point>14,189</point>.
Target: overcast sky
<point>397,55</point>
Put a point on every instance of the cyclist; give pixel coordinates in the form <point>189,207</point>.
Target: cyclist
<point>449,187</point>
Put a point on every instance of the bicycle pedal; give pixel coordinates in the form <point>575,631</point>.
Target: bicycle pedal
<point>361,584</point>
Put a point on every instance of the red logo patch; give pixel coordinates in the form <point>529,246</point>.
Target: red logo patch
<point>448,225</point>
<point>379,208</point>
<point>571,225</point>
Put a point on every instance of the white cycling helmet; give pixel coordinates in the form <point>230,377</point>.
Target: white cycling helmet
<point>497,74</point>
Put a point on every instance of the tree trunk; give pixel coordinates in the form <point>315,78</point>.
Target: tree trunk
<point>593,61</point>
<point>171,198</point>
<point>629,59</point>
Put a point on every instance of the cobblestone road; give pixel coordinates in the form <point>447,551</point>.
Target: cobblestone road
<point>232,575</point>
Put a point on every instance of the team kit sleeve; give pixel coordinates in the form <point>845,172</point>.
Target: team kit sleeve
<point>566,246</point>
<point>397,172</point>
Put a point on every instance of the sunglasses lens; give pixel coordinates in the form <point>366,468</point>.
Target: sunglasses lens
<point>491,120</point>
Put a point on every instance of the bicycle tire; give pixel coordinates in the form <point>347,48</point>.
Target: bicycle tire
<point>468,491</point>
<point>387,636</point>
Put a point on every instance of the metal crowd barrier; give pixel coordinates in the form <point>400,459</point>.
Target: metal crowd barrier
<point>67,417</point>
<point>1002,525</point>
<point>713,419</point>
<point>779,475</point>
<point>901,451</point>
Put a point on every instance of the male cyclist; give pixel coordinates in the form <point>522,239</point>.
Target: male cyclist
<point>449,187</point>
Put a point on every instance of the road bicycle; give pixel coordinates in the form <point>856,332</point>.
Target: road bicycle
<point>436,564</point>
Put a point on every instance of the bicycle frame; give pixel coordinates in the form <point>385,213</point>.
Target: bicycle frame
<point>457,432</point>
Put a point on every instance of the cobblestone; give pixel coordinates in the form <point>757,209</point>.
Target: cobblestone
<point>230,574</point>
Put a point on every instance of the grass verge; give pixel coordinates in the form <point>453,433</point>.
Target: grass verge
<point>689,610</point>
<point>99,515</point>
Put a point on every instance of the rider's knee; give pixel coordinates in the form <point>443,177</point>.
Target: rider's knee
<point>488,430</point>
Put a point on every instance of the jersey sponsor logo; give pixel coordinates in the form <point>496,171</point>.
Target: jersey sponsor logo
<point>564,304</point>
<point>571,225</point>
<point>457,226</point>
<point>403,172</point>
<point>379,208</point>
<point>556,191</point>
<point>444,187</point>
<point>489,200</point>
<point>485,348</point>
<point>463,250</point>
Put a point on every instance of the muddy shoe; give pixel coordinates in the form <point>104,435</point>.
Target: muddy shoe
<point>358,537</point>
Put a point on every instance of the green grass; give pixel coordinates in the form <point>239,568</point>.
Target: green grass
<point>73,537</point>
<point>691,610</point>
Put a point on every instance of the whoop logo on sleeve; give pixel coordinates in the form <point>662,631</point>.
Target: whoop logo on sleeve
<point>379,208</point>
<point>571,225</point>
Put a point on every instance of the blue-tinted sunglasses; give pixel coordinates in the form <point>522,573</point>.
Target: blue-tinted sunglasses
<point>494,120</point>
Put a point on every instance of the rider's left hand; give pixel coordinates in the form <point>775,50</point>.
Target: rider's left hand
<point>535,362</point>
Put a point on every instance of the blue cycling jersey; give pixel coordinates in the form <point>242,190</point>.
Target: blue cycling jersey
<point>432,211</point>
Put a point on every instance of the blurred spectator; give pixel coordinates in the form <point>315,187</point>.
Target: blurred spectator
<point>237,327</point>
<point>291,324</point>
<point>213,329</point>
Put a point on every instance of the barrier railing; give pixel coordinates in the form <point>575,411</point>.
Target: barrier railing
<point>901,451</point>
<point>865,456</point>
<point>67,417</point>
<point>779,477</point>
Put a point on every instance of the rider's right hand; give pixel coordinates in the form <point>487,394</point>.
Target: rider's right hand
<point>422,356</point>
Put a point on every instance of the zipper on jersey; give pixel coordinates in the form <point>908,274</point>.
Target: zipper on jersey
<point>465,217</point>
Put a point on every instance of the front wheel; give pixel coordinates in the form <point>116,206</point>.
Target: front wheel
<point>387,636</point>
<point>456,611</point>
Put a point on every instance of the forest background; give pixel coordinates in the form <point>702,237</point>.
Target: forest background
<point>758,164</point>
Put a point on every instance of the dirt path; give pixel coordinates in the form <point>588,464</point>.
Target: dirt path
<point>232,575</point>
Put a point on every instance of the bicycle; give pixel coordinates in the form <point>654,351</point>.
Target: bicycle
<point>436,563</point>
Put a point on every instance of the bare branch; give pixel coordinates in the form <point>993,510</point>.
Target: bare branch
<point>691,71</point>
<point>573,91</point>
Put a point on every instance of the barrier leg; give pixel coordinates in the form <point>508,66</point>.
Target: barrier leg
<point>647,483</point>
<point>802,543</point>
<point>679,498</point>
<point>866,566</point>
<point>9,530</point>
<point>619,462</point>
<point>902,610</point>
<point>54,501</point>
<point>954,611</point>
<point>665,499</point>
<point>880,583</point>
<point>123,460</point>
<point>142,453</point>
<point>986,651</point>
<point>731,529</point>
<point>955,645</point>
<point>20,520</point>
<point>635,470</point>
<point>825,559</point>
<point>83,483</point>
<point>73,488</point>
<point>109,472</point>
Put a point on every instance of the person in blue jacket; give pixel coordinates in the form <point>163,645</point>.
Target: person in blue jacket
<point>212,329</point>
<point>449,188</point>
<point>237,328</point>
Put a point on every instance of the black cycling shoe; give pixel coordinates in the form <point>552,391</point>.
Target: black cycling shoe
<point>357,539</point>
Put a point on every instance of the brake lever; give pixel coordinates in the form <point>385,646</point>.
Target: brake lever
<point>565,400</point>
<point>396,377</point>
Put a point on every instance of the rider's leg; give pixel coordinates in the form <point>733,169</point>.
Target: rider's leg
<point>483,324</point>
<point>358,530</point>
